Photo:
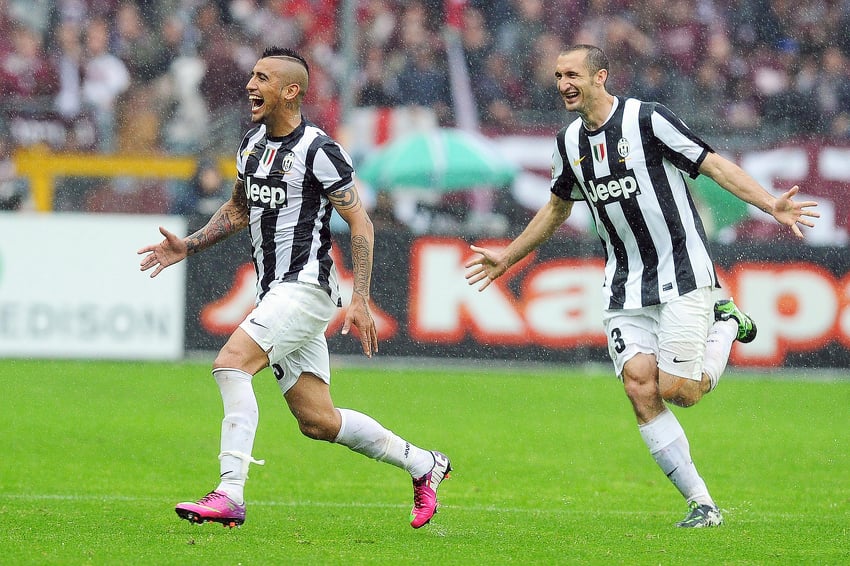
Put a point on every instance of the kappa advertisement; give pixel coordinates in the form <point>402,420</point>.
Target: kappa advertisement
<point>546,309</point>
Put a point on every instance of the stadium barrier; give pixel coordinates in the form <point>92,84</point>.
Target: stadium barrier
<point>42,167</point>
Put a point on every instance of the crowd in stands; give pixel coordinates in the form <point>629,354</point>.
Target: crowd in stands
<point>168,76</point>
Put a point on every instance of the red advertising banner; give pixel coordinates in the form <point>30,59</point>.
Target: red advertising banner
<point>546,309</point>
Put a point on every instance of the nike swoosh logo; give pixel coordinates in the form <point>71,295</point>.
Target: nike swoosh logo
<point>623,160</point>
<point>252,321</point>
<point>673,471</point>
<point>678,361</point>
<point>579,160</point>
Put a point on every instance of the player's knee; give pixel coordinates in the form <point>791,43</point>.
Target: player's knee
<point>229,357</point>
<point>316,427</point>
<point>639,388</point>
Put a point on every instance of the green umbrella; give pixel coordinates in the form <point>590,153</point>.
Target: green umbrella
<point>442,159</point>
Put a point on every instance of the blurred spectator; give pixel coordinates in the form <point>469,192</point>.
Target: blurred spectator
<point>32,14</point>
<point>704,111</point>
<point>755,22</point>
<point>205,192</point>
<point>373,85</point>
<point>25,72</point>
<point>314,17</point>
<point>69,99</point>
<point>423,82</point>
<point>496,90</point>
<point>7,24</point>
<point>138,46</point>
<point>611,26</point>
<point>71,11</point>
<point>377,22</point>
<point>662,83</point>
<point>322,102</point>
<point>477,41</point>
<point>541,100</point>
<point>772,75</point>
<point>14,190</point>
<point>682,40</point>
<point>105,78</point>
<point>185,117</point>
<point>516,36</point>
<point>833,92</point>
<point>223,82</point>
<point>263,19</point>
<point>742,108</point>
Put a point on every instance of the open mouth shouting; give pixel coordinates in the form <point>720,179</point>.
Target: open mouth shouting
<point>257,103</point>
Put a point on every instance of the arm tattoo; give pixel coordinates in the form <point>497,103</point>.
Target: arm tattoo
<point>347,202</point>
<point>345,199</point>
<point>227,220</point>
<point>361,263</point>
<point>239,196</point>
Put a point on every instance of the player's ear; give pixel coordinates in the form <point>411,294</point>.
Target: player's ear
<point>291,91</point>
<point>601,77</point>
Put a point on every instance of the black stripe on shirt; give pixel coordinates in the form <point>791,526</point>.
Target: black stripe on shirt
<point>683,267</point>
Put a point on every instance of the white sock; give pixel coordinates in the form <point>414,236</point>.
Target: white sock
<point>238,428</point>
<point>717,348</point>
<point>366,436</point>
<point>668,445</point>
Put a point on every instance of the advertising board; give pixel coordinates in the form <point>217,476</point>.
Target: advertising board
<point>70,287</point>
<point>548,309</point>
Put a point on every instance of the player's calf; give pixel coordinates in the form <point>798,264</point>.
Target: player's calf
<point>680,391</point>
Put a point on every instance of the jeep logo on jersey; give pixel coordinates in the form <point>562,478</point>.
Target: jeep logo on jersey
<point>272,195</point>
<point>613,190</point>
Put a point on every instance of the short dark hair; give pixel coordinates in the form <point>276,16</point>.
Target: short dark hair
<point>286,53</point>
<point>596,59</point>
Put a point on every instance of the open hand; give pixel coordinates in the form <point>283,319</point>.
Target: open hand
<point>791,213</point>
<point>168,252</point>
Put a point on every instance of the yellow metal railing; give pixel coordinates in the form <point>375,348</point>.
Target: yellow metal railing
<point>41,167</point>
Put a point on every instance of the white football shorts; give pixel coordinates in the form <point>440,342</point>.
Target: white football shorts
<point>289,323</point>
<point>674,332</point>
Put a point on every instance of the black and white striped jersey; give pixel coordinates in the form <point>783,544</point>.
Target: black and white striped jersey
<point>629,172</point>
<point>287,181</point>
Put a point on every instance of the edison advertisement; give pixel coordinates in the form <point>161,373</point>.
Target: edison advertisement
<point>70,287</point>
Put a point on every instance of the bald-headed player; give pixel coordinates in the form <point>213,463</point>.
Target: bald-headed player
<point>291,177</point>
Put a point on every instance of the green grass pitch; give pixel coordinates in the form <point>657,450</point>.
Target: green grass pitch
<point>549,469</point>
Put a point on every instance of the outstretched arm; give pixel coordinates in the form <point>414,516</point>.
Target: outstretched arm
<point>784,208</point>
<point>349,206</point>
<point>491,265</point>
<point>227,220</point>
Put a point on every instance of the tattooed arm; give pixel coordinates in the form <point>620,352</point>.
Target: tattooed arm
<point>226,221</point>
<point>349,206</point>
<point>229,219</point>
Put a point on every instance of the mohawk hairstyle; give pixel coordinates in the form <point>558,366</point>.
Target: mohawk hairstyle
<point>286,53</point>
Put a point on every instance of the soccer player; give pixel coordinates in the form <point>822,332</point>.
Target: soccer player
<point>626,158</point>
<point>291,177</point>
